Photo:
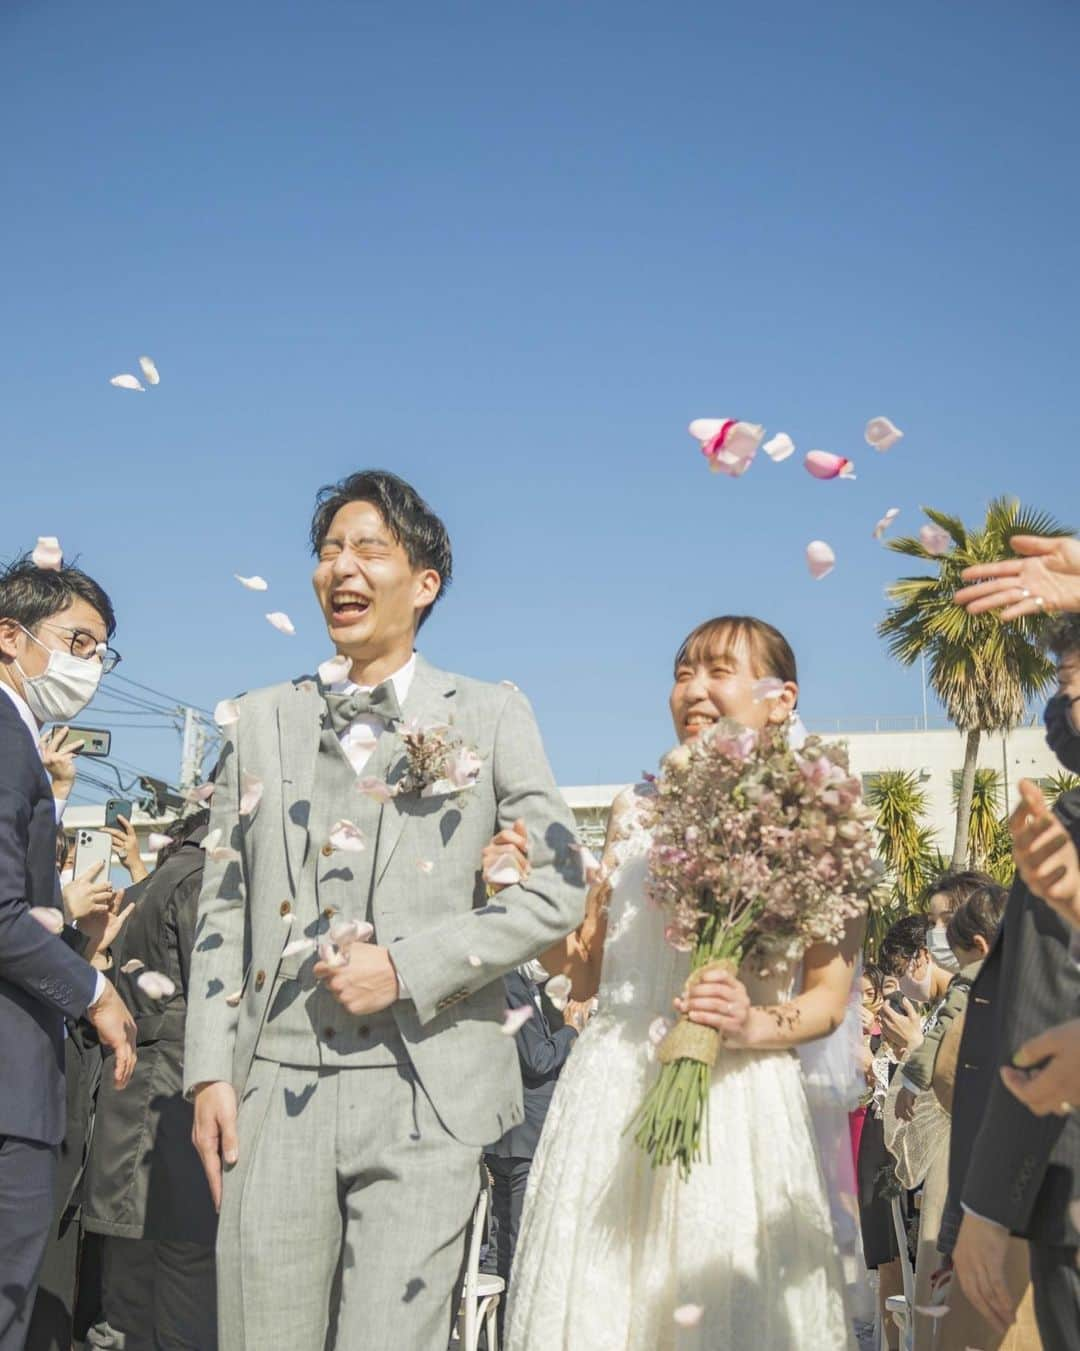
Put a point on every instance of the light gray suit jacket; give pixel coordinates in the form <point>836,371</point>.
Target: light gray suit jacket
<point>450,945</point>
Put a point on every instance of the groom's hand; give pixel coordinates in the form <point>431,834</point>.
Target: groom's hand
<point>367,983</point>
<point>214,1132</point>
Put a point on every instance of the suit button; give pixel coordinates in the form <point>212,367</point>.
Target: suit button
<point>327,850</point>
<point>260,980</point>
<point>328,1034</point>
<point>364,1030</point>
<point>285,909</point>
<point>329,912</point>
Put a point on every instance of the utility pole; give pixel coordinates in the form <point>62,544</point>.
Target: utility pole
<point>192,750</point>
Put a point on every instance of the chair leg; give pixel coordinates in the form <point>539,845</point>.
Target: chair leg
<point>492,1325</point>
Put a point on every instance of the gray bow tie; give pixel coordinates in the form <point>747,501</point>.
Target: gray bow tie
<point>381,702</point>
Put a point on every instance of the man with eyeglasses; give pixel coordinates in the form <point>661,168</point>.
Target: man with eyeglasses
<point>54,628</point>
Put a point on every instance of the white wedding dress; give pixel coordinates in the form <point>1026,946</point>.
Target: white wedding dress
<point>609,1249</point>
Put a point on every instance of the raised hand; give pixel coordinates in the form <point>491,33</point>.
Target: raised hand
<point>102,928</point>
<point>1045,577</point>
<point>507,853</point>
<point>85,895</point>
<point>126,845</point>
<point>903,1031</point>
<point>1045,855</point>
<point>116,1031</point>
<point>59,757</point>
<point>214,1132</point>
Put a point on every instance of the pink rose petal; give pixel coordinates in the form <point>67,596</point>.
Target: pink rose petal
<point>149,370</point>
<point>252,583</point>
<point>515,1019</point>
<point>882,434</point>
<point>344,932</point>
<point>335,669</point>
<point>426,866</point>
<point>346,837</point>
<point>298,946</point>
<point>935,540</point>
<point>728,444</point>
<point>156,985</point>
<point>226,713</point>
<point>234,999</point>
<point>768,687</point>
<point>558,991</point>
<point>820,559</point>
<point>885,522</point>
<point>504,872</point>
<point>376,788</point>
<point>688,1315</point>
<point>129,968</point>
<point>251,793</point>
<point>48,917</point>
<point>281,621</point>
<point>200,795</point>
<point>779,447</point>
<point>156,842</point>
<point>823,464</point>
<point>47,553</point>
<point>126,381</point>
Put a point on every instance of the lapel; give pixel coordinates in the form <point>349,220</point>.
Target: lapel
<point>299,719</point>
<point>429,697</point>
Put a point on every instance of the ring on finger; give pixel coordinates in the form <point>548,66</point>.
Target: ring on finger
<point>1025,594</point>
<point>1040,602</point>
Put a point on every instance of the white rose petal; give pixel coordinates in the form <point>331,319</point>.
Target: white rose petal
<point>226,713</point>
<point>346,837</point>
<point>127,382</point>
<point>344,932</point>
<point>255,583</point>
<point>820,559</point>
<point>281,621</point>
<point>156,842</point>
<point>330,955</point>
<point>298,946</point>
<point>935,540</point>
<point>201,795</point>
<point>474,960</point>
<point>212,839</point>
<point>376,788</point>
<point>334,669</point>
<point>48,917</point>
<point>886,521</point>
<point>882,434</point>
<point>558,991</point>
<point>129,968</point>
<point>779,447</point>
<point>223,854</point>
<point>234,999</point>
<point>146,365</point>
<point>688,1315</point>
<point>47,553</point>
<point>514,1019</point>
<point>504,872</point>
<point>426,866</point>
<point>156,985</point>
<point>251,793</point>
<point>658,1030</point>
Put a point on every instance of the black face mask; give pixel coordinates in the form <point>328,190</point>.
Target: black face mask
<point>1061,736</point>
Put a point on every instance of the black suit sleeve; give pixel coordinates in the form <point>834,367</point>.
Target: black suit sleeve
<point>31,957</point>
<point>541,1052</point>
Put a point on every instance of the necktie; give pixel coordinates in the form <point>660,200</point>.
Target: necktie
<point>381,702</point>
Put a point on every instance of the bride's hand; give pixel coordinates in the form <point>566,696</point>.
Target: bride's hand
<point>719,1000</point>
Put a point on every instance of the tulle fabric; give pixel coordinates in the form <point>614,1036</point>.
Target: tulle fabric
<point>609,1249</point>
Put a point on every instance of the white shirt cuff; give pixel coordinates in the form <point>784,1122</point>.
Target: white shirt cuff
<point>99,988</point>
<point>905,1082</point>
<point>976,1216</point>
<point>61,806</point>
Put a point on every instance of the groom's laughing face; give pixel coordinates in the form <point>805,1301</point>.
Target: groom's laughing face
<point>370,594</point>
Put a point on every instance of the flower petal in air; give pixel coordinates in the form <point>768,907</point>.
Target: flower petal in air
<point>820,559</point>
<point>281,621</point>
<point>226,713</point>
<point>885,522</point>
<point>253,583</point>
<point>558,991</point>
<point>688,1315</point>
<point>127,382</point>
<point>882,434</point>
<point>48,917</point>
<point>335,668</point>
<point>379,789</point>
<point>156,842</point>
<point>824,464</point>
<point>768,687</point>
<point>222,853</point>
<point>129,968</point>
<point>251,793</point>
<point>504,872</point>
<point>346,837</point>
<point>156,985</point>
<point>146,365</point>
<point>779,447</point>
<point>728,444</point>
<point>200,795</point>
<point>935,540</point>
<point>515,1019</point>
<point>298,946</point>
<point>47,553</point>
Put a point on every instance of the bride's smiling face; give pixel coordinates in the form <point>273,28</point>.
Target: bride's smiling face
<point>720,681</point>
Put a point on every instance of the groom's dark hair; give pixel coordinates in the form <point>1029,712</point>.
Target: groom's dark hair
<point>407,516</point>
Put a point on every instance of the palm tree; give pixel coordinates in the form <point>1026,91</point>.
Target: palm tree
<point>905,845</point>
<point>1060,783</point>
<point>984,816</point>
<point>984,672</point>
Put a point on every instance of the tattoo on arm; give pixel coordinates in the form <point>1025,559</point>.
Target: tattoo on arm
<point>786,1017</point>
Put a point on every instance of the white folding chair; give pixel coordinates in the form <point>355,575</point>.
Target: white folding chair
<point>902,1307</point>
<point>482,1292</point>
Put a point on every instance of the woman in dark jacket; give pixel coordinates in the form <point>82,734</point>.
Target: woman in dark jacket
<point>145,1188</point>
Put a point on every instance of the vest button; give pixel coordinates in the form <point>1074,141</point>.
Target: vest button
<point>328,1033</point>
<point>285,908</point>
<point>327,850</point>
<point>364,1030</point>
<point>260,980</point>
<point>329,912</point>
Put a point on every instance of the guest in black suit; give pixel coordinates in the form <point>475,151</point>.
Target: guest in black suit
<point>54,624</point>
<point>542,1052</point>
<point>1014,1171</point>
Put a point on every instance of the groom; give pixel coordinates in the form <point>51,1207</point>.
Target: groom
<point>348,1093</point>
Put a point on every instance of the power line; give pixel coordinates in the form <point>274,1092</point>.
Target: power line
<point>160,694</point>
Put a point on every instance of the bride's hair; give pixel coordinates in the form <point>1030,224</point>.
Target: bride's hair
<point>769,650</point>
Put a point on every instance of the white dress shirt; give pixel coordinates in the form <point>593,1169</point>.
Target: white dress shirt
<point>360,738</point>
<point>23,710</point>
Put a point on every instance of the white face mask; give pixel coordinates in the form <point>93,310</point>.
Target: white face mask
<point>940,950</point>
<point>64,688</point>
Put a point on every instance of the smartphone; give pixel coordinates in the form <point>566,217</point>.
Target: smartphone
<point>117,806</point>
<point>92,846</point>
<point>93,741</point>
<point>895,1001</point>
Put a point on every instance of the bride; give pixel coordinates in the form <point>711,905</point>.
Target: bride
<point>612,1255</point>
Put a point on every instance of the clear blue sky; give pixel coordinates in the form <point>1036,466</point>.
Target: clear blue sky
<point>510,251</point>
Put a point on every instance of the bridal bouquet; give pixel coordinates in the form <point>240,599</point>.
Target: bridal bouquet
<point>758,851</point>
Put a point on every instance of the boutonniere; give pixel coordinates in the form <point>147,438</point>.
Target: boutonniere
<point>439,763</point>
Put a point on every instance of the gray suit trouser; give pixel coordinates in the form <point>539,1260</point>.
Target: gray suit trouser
<point>343,1224</point>
<point>27,1182</point>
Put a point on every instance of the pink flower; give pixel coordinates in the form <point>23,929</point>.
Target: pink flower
<point>737,747</point>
